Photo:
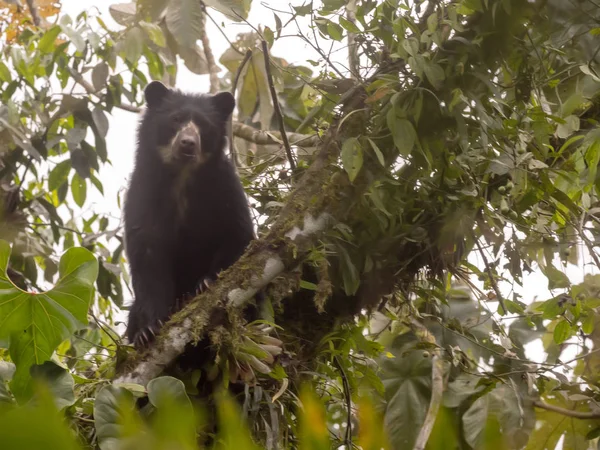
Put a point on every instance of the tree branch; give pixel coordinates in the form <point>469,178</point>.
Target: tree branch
<point>246,132</point>
<point>263,137</point>
<point>213,69</point>
<point>35,15</point>
<point>238,73</point>
<point>584,415</point>
<point>353,60</point>
<point>278,113</point>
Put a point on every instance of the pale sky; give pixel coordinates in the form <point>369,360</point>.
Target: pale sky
<point>121,135</point>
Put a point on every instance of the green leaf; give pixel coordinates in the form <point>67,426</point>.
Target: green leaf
<point>162,388</point>
<point>100,121</point>
<point>236,10</point>
<point>58,380</point>
<point>78,189</point>
<point>112,403</point>
<point>403,132</point>
<point>233,431</point>
<point>40,322</point>
<point>349,26</point>
<point>46,44</point>
<point>378,153</point>
<point>5,73</point>
<point>556,278</point>
<point>562,332</point>
<point>184,21</point>
<point>313,424</point>
<point>154,32</point>
<point>407,381</point>
<point>35,426</point>
<point>435,74</point>
<point>123,13</point>
<point>352,157</point>
<point>59,175</point>
<point>99,76</point>
<point>474,421</point>
<point>134,44</point>
<point>335,31</point>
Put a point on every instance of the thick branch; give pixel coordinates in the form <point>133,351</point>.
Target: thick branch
<point>585,415</point>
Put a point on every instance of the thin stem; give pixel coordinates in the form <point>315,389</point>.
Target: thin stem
<point>284,138</point>
<point>585,415</point>
<point>488,269</point>
<point>232,149</point>
<point>348,398</point>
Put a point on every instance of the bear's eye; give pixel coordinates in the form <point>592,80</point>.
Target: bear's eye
<point>178,118</point>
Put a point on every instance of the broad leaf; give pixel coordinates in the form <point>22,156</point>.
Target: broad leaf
<point>35,324</point>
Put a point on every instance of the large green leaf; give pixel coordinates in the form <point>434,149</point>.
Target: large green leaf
<point>112,405</point>
<point>35,324</point>
<point>184,21</point>
<point>234,9</point>
<point>407,381</point>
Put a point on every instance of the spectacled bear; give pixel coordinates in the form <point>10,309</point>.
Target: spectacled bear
<point>186,214</point>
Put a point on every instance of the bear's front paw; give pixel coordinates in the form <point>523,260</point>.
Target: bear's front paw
<point>203,285</point>
<point>146,335</point>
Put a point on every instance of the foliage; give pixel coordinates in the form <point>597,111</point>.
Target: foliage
<point>471,171</point>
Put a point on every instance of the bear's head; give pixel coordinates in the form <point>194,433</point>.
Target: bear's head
<point>186,129</point>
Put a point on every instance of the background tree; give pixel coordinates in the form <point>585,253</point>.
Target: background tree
<point>405,197</point>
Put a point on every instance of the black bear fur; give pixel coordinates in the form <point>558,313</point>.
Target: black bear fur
<point>186,214</point>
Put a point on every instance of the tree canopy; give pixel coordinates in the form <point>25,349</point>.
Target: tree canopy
<point>413,199</point>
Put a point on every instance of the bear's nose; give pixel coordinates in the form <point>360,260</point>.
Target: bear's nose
<point>188,143</point>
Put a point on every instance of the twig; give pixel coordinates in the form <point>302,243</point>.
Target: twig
<point>353,60</point>
<point>263,137</point>
<point>585,415</point>
<point>35,15</point>
<point>247,56</point>
<point>348,398</point>
<point>213,69</point>
<point>284,138</point>
<point>232,149</point>
<point>233,46</point>
<point>488,269</point>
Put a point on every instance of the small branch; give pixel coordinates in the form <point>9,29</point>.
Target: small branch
<point>263,137</point>
<point>233,46</point>
<point>35,15</point>
<point>284,138</point>
<point>213,69</point>
<point>488,269</point>
<point>233,150</point>
<point>348,398</point>
<point>353,60</point>
<point>247,56</point>
<point>584,415</point>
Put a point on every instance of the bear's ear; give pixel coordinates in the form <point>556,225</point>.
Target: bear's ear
<point>224,102</point>
<point>155,93</point>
